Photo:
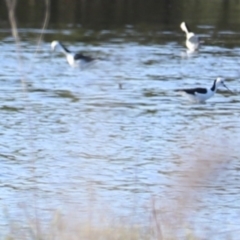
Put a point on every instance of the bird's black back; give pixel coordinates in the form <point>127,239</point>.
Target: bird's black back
<point>80,56</point>
<point>193,91</point>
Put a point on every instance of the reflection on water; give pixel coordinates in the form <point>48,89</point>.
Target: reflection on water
<point>75,137</point>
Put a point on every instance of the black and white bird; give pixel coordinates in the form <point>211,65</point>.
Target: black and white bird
<point>202,94</point>
<point>74,59</point>
<point>192,40</point>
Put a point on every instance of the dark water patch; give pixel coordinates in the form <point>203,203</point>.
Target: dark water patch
<point>11,108</point>
<point>40,90</point>
<point>65,94</point>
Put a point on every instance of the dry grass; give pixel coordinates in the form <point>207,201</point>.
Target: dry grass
<point>67,228</point>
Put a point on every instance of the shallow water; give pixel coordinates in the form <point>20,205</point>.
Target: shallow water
<point>115,135</point>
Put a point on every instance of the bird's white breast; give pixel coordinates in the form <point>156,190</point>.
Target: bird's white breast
<point>71,60</point>
<point>203,97</point>
<point>192,42</point>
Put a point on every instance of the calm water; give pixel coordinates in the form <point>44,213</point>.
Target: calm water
<point>116,135</point>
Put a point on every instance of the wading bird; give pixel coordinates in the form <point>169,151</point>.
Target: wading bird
<point>203,94</point>
<point>192,41</point>
<point>74,59</point>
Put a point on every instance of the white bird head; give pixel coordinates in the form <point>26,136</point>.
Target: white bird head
<point>185,27</point>
<point>54,44</point>
<point>220,82</point>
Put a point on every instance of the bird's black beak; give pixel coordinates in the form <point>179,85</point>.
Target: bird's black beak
<point>226,87</point>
